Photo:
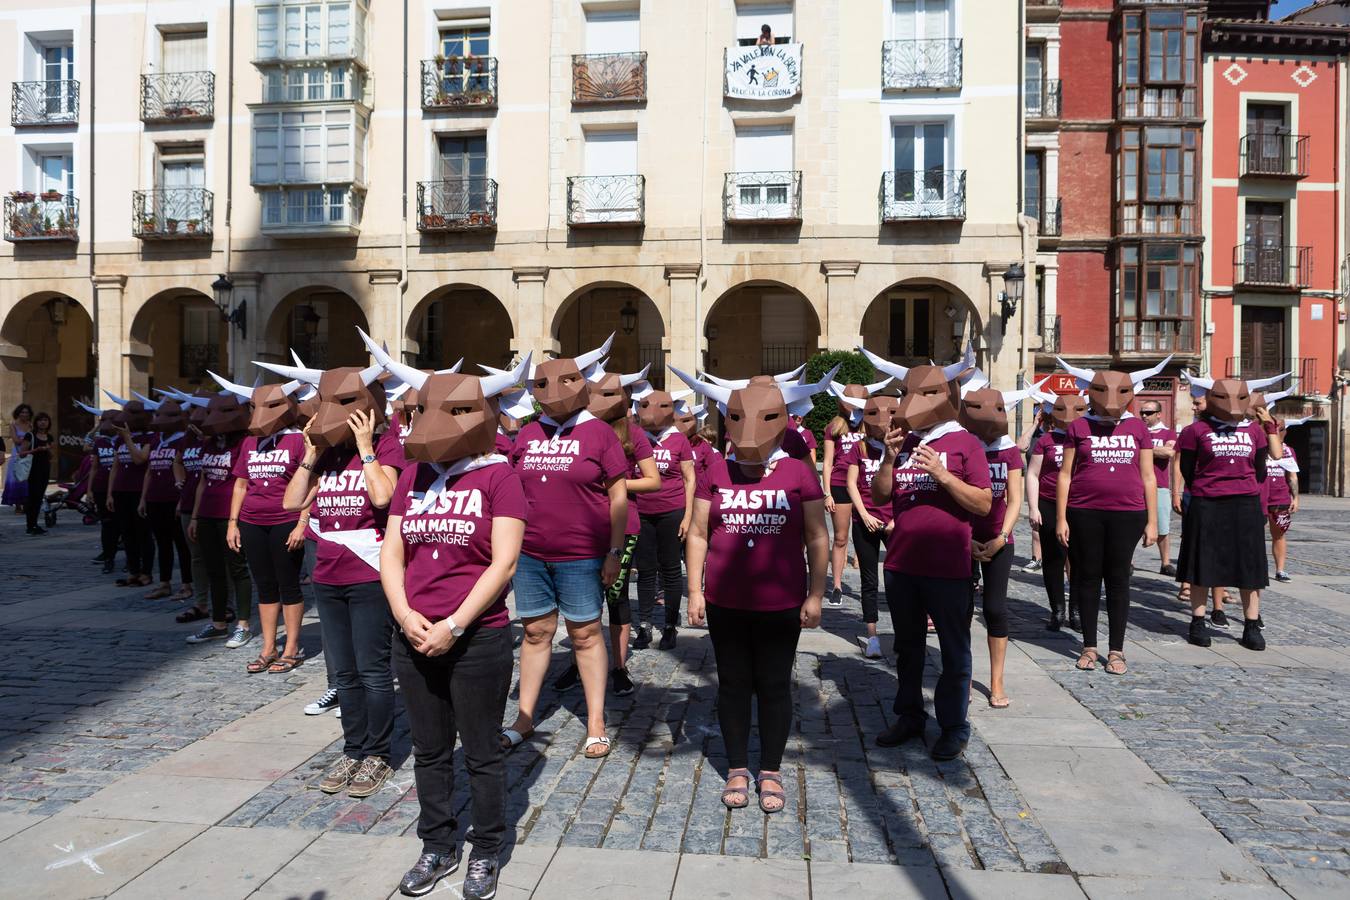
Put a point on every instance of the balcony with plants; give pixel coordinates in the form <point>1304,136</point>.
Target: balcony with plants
<point>172,214</point>
<point>458,204</point>
<point>176,98</point>
<point>455,82</point>
<point>46,216</point>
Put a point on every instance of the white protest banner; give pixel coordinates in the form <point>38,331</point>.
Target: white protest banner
<point>769,72</point>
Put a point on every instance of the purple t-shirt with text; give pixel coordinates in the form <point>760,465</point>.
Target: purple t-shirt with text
<point>1225,457</point>
<point>159,485</point>
<point>1001,463</point>
<point>130,476</point>
<point>642,449</point>
<point>1162,468</point>
<point>843,443</point>
<point>1106,464</point>
<point>342,504</point>
<point>669,452</point>
<point>219,459</point>
<point>191,454</point>
<point>932,531</point>
<point>1050,447</point>
<point>268,464</point>
<point>1276,486</point>
<point>867,457</point>
<point>105,448</point>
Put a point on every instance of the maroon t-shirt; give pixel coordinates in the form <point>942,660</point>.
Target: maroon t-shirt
<point>1106,464</point>
<point>669,452</point>
<point>932,531</point>
<point>867,455</point>
<point>1001,462</point>
<point>191,449</point>
<point>1050,447</point>
<point>1225,457</point>
<point>342,506</point>
<point>217,476</point>
<point>130,476</point>
<point>268,464</point>
<point>796,445</point>
<point>564,471</point>
<point>642,449</point>
<point>1275,488</point>
<point>843,443</point>
<point>447,542</point>
<point>106,449</point>
<point>756,534</point>
<point>160,488</point>
<point>1162,468</point>
<point>704,453</point>
<point>503,444</point>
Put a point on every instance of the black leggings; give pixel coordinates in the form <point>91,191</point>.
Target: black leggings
<point>1101,545</point>
<point>107,525</point>
<point>37,493</point>
<point>659,552</point>
<point>994,598</point>
<point>616,595</point>
<point>867,545</point>
<point>276,570</point>
<point>755,652</point>
<point>1052,557</point>
<point>135,532</point>
<point>164,525</point>
<point>225,569</point>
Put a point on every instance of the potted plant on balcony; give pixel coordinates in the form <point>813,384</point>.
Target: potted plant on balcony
<point>171,225</point>
<point>192,225</point>
<point>475,218</point>
<point>52,196</point>
<point>62,224</point>
<point>149,224</point>
<point>21,196</point>
<point>433,220</point>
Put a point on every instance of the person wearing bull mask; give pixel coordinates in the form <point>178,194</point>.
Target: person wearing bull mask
<point>131,457</point>
<point>984,413</point>
<point>1280,499</point>
<point>935,477</point>
<point>871,521</point>
<point>105,453</point>
<point>573,469</point>
<point>224,424</point>
<point>272,537</point>
<point>187,469</point>
<point>754,514</point>
<point>456,524</point>
<point>1224,460</point>
<point>689,418</point>
<point>798,442</point>
<point>1047,457</point>
<point>841,434</point>
<point>160,494</point>
<point>1105,500</point>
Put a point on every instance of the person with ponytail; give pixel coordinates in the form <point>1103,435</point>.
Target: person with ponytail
<point>841,434</point>
<point>872,521</point>
<point>1042,481</point>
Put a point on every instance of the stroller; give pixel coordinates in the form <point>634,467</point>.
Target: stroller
<point>71,495</point>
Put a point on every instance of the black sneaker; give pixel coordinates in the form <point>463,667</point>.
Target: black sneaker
<point>948,746</point>
<point>1199,633</point>
<point>1283,577</point>
<point>1252,638</point>
<point>481,881</point>
<point>1075,623</point>
<point>430,868</point>
<point>1219,618</point>
<point>108,567</point>
<point>208,632</point>
<point>836,597</point>
<point>642,638</point>
<point>623,685</point>
<point>569,679</point>
<point>101,558</point>
<point>1169,570</point>
<point>667,638</point>
<point>1259,622</point>
<point>1056,617</point>
<point>898,733</point>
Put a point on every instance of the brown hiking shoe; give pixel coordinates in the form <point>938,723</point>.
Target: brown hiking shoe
<point>370,777</point>
<point>339,775</point>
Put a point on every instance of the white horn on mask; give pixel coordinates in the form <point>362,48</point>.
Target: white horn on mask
<point>629,380</point>
<point>884,365</point>
<point>243,393</point>
<point>967,361</point>
<point>1276,397</point>
<point>120,401</point>
<point>1197,384</point>
<point>89,409</point>
<point>1012,398</point>
<point>511,401</point>
<point>406,374</point>
<point>293,373</point>
<point>149,404</point>
<point>718,393</point>
<point>1290,423</point>
<point>797,397</point>
<point>734,384</point>
<point>973,380</point>
<point>787,377</point>
<point>1260,384</point>
<point>1084,376</point>
<point>838,390</point>
<point>586,360</point>
<point>505,380</point>
<point>1137,378</point>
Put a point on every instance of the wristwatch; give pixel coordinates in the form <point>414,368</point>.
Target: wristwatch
<point>367,459</point>
<point>454,629</point>
<point>616,552</point>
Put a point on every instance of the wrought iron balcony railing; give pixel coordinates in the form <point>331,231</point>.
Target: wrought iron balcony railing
<point>654,357</point>
<point>923,194</point>
<point>171,214</point>
<point>1048,217</point>
<point>1178,218</point>
<point>921,64</point>
<point>1042,99</point>
<point>781,357</point>
<point>1158,336</point>
<point>609,78</point>
<point>1138,102</point>
<point>1272,267</point>
<point>44,103</point>
<point>459,83</point>
<point>178,97</point>
<point>762,197</point>
<point>1274,155</point>
<point>1050,334</point>
<point>48,216</point>
<point>195,359</point>
<point>606,199</point>
<point>1303,382</point>
<point>457,204</point>
<point>331,209</point>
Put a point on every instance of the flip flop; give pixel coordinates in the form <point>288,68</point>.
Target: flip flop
<point>261,664</point>
<point>602,741</point>
<point>513,739</point>
<point>999,702</point>
<point>284,664</point>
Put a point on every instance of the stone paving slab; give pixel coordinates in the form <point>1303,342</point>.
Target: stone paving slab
<point>218,864</point>
<point>168,798</point>
<point>700,877</point>
<point>349,866</point>
<point>865,881</point>
<point>582,872</point>
<point>964,885</point>
<point>1136,888</point>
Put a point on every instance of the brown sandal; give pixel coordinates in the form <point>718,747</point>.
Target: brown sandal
<point>1117,659</point>
<point>283,664</point>
<point>771,793</point>
<point>737,798</point>
<point>1090,658</point>
<point>159,593</point>
<point>261,664</point>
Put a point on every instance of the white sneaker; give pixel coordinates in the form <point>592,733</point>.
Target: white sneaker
<point>328,701</point>
<point>873,650</point>
<point>238,638</point>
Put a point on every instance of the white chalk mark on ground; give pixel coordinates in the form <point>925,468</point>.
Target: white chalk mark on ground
<point>88,856</point>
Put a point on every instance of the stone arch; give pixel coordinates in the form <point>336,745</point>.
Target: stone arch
<point>917,319</point>
<point>589,314</point>
<point>319,323</point>
<point>760,327</point>
<point>460,321</point>
<point>184,335</point>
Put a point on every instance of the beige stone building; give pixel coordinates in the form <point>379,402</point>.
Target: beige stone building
<point>490,177</point>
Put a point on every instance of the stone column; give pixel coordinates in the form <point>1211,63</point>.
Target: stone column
<point>12,359</point>
<point>684,340</point>
<point>112,373</point>
<point>383,314</point>
<point>531,330</point>
<point>136,358</point>
<point>251,343</point>
<point>843,322</point>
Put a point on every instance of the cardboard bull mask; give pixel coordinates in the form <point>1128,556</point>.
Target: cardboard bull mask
<point>877,416</point>
<point>1230,399</point>
<point>930,395</point>
<point>852,399</point>
<point>226,413</point>
<point>1065,409</point>
<point>457,414</point>
<point>738,383</point>
<point>560,387</point>
<point>135,413</point>
<point>984,411</point>
<point>611,393</point>
<point>342,391</point>
<point>656,411</point>
<point>756,415</point>
<point>1110,393</point>
<point>689,418</point>
<point>170,415</point>
<point>274,405</point>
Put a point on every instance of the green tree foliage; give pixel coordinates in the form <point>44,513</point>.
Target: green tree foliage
<point>854,368</point>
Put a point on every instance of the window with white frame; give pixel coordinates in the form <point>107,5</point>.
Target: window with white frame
<point>303,84</point>
<point>914,20</point>
<point>308,147</point>
<point>613,31</point>
<point>51,170</point>
<point>183,51</point>
<point>752,17</point>
<point>296,29</point>
<point>764,169</point>
<point>611,152</point>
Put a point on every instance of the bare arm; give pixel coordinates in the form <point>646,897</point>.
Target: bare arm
<point>825,471</point>
<point>817,538</point>
<point>1150,478</point>
<point>1166,451</point>
<point>695,554</point>
<point>1062,495</point>
<point>649,483</point>
<point>618,524</point>
<point>687,473</point>
<point>1033,487</point>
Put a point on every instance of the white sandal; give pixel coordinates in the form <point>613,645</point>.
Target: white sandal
<point>603,740</point>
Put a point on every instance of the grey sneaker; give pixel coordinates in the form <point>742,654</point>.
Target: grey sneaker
<point>339,775</point>
<point>239,637</point>
<point>481,881</point>
<point>1032,567</point>
<point>430,868</point>
<point>207,632</point>
<point>370,777</point>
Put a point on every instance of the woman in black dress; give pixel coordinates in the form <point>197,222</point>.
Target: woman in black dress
<point>38,444</point>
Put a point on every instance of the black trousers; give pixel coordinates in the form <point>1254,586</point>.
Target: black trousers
<point>994,597</point>
<point>37,492</point>
<point>135,532</point>
<point>225,571</point>
<point>867,546</point>
<point>1052,556</point>
<point>1101,545</point>
<point>461,692</point>
<point>276,570</point>
<point>168,533</point>
<point>107,525</point>
<point>357,628</point>
<point>755,652</point>
<point>913,599</point>
<point>659,552</point>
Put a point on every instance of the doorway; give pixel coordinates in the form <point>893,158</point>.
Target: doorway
<point>1262,341</point>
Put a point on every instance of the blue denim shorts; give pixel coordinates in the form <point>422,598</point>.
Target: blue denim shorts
<point>1164,512</point>
<point>571,587</point>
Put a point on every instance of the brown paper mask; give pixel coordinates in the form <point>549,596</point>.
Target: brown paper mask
<point>559,388</point>
<point>607,398</point>
<point>877,416</point>
<point>1234,399</point>
<point>226,414</point>
<point>930,395</point>
<point>110,422</point>
<point>342,392</point>
<point>1110,393</point>
<point>984,414</point>
<point>656,411</point>
<point>170,417</point>
<point>1067,409</point>
<point>135,413</point>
